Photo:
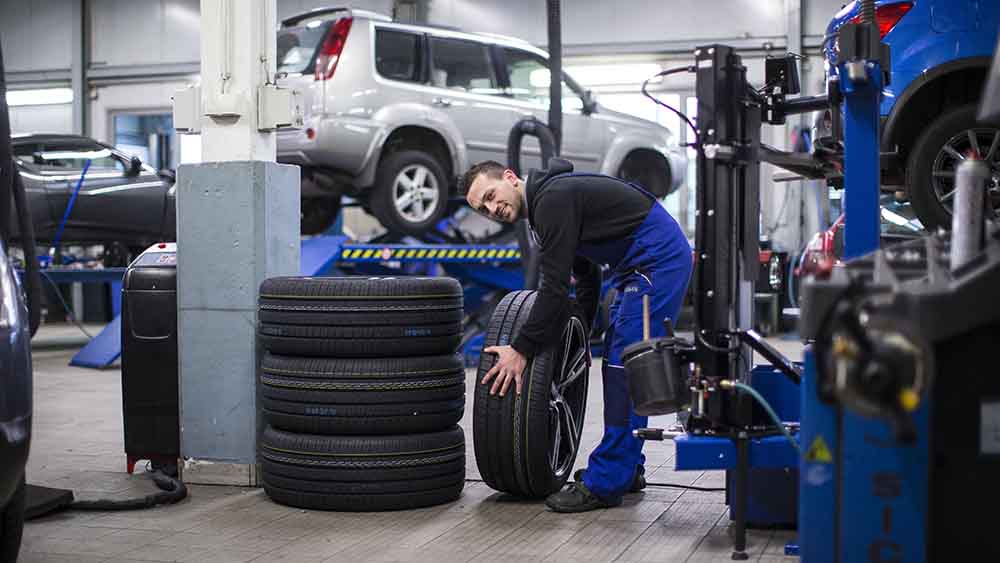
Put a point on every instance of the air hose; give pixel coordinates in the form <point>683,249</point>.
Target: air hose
<point>767,407</point>
<point>171,490</point>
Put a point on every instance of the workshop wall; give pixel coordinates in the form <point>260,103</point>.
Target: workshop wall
<point>126,32</point>
<point>35,35</point>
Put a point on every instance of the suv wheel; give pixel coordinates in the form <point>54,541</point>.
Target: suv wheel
<point>318,214</point>
<point>934,160</point>
<point>648,170</point>
<point>411,192</point>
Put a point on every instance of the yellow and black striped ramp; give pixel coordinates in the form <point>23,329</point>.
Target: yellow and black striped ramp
<point>356,253</point>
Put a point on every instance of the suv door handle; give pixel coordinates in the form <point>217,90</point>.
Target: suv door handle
<point>441,102</point>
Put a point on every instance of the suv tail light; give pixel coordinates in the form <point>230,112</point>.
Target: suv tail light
<point>333,45</point>
<point>887,16</point>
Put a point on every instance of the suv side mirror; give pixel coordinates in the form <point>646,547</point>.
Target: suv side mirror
<point>589,103</point>
<point>134,166</point>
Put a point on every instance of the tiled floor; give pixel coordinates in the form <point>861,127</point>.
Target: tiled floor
<point>77,444</point>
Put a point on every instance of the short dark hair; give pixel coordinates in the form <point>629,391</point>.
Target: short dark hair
<point>491,168</point>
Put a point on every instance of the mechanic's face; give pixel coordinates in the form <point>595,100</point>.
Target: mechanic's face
<point>497,198</point>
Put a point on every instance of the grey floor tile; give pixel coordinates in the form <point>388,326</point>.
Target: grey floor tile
<point>717,545</point>
<point>34,557</point>
<point>635,508</point>
<point>658,543</point>
<point>599,541</point>
<point>546,533</point>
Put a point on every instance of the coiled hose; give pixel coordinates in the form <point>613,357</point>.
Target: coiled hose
<point>171,490</point>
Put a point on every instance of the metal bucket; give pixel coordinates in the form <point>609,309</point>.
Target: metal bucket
<point>657,380</point>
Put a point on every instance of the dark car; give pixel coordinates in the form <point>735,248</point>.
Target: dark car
<point>15,408</point>
<point>122,203</point>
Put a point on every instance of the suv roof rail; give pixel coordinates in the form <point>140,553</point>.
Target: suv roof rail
<point>330,10</point>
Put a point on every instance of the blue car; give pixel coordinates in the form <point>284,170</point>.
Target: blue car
<point>941,52</point>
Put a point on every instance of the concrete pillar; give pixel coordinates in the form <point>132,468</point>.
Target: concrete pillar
<point>237,224</point>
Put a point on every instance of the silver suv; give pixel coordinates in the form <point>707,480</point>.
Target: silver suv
<point>394,113</point>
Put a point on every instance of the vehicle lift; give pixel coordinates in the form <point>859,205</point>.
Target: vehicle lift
<point>725,428</point>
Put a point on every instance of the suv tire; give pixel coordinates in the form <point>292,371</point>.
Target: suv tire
<point>361,473</point>
<point>930,167</point>
<point>411,192</point>
<point>12,524</point>
<point>358,317</point>
<point>649,171</point>
<point>515,435</point>
<point>318,214</point>
<point>362,396</point>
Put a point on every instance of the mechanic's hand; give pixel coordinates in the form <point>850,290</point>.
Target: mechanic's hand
<point>509,367</point>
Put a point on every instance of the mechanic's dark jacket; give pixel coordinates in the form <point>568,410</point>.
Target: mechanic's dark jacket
<point>564,210</point>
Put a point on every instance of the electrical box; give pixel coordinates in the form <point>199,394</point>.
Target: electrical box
<point>187,110</point>
<point>278,108</point>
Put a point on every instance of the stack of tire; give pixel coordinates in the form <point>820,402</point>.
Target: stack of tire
<point>361,390</point>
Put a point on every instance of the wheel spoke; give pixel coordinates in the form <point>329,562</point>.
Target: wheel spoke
<point>949,195</point>
<point>429,194</point>
<point>569,426</point>
<point>405,201</point>
<point>418,206</point>
<point>577,368</point>
<point>993,147</point>
<point>944,174</point>
<point>954,153</point>
<point>420,177</point>
<point>556,436</point>
<point>974,141</point>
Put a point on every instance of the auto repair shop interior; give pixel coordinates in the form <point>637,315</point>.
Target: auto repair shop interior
<point>289,281</point>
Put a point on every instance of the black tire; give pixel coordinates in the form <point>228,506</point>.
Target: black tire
<point>318,214</point>
<point>649,170</point>
<point>359,317</point>
<point>363,473</point>
<point>362,396</point>
<point>928,153</point>
<point>410,220</point>
<point>12,524</point>
<point>513,435</point>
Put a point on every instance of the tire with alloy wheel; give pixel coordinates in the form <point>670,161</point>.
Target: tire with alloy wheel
<point>371,396</point>
<point>359,317</point>
<point>526,444</point>
<point>934,159</point>
<point>411,192</point>
<point>361,473</point>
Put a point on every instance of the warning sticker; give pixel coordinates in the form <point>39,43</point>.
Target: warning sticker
<point>819,452</point>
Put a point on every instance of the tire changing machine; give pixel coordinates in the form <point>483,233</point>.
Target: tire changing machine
<point>742,418</point>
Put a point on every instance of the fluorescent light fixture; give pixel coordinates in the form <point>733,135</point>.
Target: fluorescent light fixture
<point>40,97</point>
<point>314,24</point>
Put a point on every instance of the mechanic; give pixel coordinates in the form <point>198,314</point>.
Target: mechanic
<point>582,221</point>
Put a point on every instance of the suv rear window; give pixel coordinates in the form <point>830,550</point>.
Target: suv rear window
<point>397,55</point>
<point>462,65</point>
<point>297,46</point>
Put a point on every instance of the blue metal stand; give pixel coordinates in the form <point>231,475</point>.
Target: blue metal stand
<point>774,463</point>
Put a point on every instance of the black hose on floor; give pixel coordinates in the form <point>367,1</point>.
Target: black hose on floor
<point>171,490</point>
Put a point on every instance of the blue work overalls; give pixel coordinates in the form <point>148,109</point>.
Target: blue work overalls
<point>654,261</point>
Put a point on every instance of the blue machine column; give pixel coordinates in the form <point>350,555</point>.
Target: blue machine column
<point>861,83</point>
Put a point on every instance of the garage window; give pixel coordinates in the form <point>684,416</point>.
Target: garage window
<point>397,55</point>
<point>462,65</point>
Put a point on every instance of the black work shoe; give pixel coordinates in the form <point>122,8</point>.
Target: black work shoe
<point>638,483</point>
<point>575,497</point>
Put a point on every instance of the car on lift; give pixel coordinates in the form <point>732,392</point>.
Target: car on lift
<point>395,112</point>
<point>941,51</point>
<point>121,203</point>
